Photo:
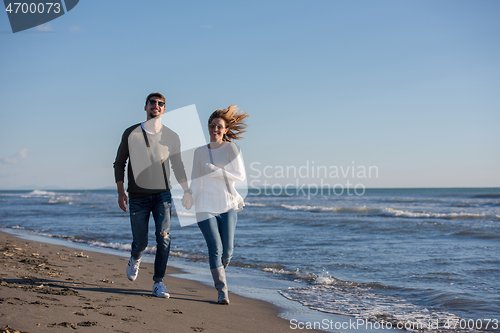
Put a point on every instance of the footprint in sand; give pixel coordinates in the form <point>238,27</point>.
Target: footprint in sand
<point>49,298</point>
<point>130,307</point>
<point>88,323</point>
<point>130,319</point>
<point>63,324</point>
<point>109,314</point>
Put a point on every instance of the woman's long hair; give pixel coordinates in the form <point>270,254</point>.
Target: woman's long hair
<point>234,122</point>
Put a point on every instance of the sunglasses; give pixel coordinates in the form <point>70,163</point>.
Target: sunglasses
<point>219,127</point>
<point>153,102</point>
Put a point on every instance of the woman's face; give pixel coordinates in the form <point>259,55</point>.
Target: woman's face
<point>217,129</point>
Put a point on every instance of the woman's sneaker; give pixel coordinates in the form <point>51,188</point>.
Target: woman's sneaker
<point>159,290</point>
<point>133,268</point>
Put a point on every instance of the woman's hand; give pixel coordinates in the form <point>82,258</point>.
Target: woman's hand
<point>187,201</point>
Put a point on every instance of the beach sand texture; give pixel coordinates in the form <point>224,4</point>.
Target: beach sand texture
<point>51,288</point>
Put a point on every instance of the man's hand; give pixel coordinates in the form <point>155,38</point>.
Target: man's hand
<point>123,201</point>
<point>122,196</point>
<point>187,201</point>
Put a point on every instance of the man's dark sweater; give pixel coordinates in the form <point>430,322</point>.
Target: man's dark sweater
<point>151,164</point>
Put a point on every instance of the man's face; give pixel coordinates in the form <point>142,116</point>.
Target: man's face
<point>153,108</point>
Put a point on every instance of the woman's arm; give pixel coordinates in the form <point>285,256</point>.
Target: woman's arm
<point>238,170</point>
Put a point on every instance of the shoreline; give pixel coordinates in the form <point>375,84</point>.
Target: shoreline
<point>254,306</point>
<point>57,287</point>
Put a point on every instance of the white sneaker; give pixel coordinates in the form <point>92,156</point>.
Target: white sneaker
<point>159,290</point>
<point>133,268</point>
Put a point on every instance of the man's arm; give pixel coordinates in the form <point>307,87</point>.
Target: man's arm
<point>187,198</point>
<point>119,166</point>
<point>122,196</point>
<point>180,173</point>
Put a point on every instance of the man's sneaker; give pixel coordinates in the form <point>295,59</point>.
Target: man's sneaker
<point>159,290</point>
<point>133,268</point>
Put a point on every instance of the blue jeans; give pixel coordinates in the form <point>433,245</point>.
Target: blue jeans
<point>160,205</point>
<point>218,231</point>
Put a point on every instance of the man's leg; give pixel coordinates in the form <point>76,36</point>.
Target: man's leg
<point>139,221</point>
<point>161,214</point>
<point>140,209</point>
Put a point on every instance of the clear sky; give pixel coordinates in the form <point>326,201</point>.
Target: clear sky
<point>411,87</point>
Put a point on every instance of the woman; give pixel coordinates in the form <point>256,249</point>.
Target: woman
<point>216,168</point>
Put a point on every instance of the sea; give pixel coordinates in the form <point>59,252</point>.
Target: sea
<point>422,260</point>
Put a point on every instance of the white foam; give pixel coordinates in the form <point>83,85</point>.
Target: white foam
<point>332,209</point>
<point>38,193</point>
<point>296,273</point>
<point>362,303</point>
<point>254,204</point>
<point>61,200</point>
<point>404,213</point>
<point>184,214</point>
<point>388,211</point>
<point>116,246</point>
<point>325,279</point>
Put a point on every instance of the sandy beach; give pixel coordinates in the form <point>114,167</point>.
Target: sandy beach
<point>52,288</point>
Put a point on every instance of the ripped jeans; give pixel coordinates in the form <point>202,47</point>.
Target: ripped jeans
<point>160,205</point>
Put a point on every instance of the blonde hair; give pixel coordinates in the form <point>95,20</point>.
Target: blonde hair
<point>234,121</point>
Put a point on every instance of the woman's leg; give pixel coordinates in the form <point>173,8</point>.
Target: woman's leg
<point>227,227</point>
<point>210,229</point>
<point>209,226</point>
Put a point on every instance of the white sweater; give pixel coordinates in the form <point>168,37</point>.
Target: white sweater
<point>210,191</point>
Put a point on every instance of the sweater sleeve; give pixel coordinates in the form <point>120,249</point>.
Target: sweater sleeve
<point>121,158</point>
<point>237,175</point>
<point>176,160</point>
<point>237,171</point>
<point>196,175</point>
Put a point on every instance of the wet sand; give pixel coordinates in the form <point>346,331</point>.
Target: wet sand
<point>52,288</point>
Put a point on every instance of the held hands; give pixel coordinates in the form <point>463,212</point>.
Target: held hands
<point>187,201</point>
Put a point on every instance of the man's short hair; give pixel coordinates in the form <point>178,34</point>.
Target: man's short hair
<point>156,94</point>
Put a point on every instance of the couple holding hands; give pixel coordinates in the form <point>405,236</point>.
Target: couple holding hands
<point>150,148</point>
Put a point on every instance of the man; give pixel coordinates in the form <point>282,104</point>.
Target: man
<point>149,147</point>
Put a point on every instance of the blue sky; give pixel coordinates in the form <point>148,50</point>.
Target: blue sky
<point>411,87</point>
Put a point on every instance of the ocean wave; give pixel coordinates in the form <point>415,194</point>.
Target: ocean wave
<point>363,209</point>
<point>463,215</point>
<point>328,294</point>
<point>61,200</point>
<point>38,193</point>
<point>53,197</point>
<point>362,303</point>
<point>189,256</point>
<point>484,234</point>
<point>294,274</point>
<point>255,204</point>
<point>388,212</point>
<point>307,277</point>
<point>184,214</point>
<point>487,196</point>
<point>116,246</point>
